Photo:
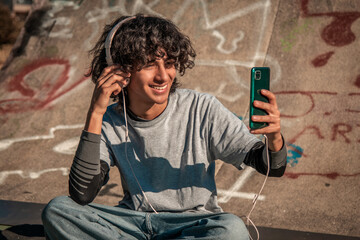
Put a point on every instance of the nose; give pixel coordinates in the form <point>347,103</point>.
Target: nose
<point>162,74</point>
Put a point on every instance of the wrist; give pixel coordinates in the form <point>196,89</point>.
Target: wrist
<point>276,141</point>
<point>95,114</point>
<point>93,122</point>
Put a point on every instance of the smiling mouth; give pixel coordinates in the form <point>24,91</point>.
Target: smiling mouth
<point>158,88</point>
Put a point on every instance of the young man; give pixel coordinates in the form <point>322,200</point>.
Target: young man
<point>164,142</point>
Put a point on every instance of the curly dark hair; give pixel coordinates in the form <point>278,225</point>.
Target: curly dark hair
<point>139,41</point>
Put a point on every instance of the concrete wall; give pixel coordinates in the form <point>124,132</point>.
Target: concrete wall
<point>311,46</point>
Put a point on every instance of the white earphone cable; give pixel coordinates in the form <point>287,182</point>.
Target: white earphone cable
<point>248,220</point>
<point>126,156</point>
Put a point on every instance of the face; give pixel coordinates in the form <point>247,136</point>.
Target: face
<point>150,87</point>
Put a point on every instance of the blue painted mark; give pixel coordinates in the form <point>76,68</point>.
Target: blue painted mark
<point>240,117</point>
<point>294,153</point>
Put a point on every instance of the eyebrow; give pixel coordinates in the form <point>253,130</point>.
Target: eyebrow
<point>166,59</point>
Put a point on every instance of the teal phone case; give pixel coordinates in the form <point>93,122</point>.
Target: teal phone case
<point>260,79</point>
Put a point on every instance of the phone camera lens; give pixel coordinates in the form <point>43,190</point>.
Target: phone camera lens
<point>257,75</point>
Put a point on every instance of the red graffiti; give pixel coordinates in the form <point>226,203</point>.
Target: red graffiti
<point>37,92</point>
<point>338,33</point>
<point>339,132</point>
<point>357,81</point>
<point>331,175</point>
<point>308,94</point>
<point>341,129</point>
<point>322,59</point>
<point>313,130</point>
<point>353,110</point>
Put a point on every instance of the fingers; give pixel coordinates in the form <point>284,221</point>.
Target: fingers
<point>114,79</point>
<point>266,118</point>
<point>109,84</point>
<point>266,130</point>
<point>110,75</point>
<point>270,96</point>
<point>273,117</point>
<point>272,120</point>
<point>271,107</point>
<point>111,81</point>
<point>106,73</point>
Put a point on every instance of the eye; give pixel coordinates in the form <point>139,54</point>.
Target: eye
<point>149,64</point>
<point>169,64</point>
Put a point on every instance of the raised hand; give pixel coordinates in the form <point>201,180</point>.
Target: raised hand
<point>109,83</point>
<point>272,131</point>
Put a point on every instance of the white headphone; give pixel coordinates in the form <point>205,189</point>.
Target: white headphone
<point>110,37</point>
<point>108,43</point>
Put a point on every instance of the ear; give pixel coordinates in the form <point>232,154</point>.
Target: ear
<point>127,81</point>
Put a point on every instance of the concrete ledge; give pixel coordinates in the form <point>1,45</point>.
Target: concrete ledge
<point>17,213</point>
<point>284,234</point>
<point>24,231</point>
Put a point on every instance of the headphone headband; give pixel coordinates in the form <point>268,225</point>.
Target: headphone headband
<point>110,37</point>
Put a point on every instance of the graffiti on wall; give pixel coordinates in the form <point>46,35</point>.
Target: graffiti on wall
<point>6,143</point>
<point>42,81</point>
<point>31,174</point>
<point>337,34</point>
<point>38,84</point>
<point>26,95</point>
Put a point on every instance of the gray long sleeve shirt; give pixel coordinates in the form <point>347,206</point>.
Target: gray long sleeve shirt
<point>173,156</point>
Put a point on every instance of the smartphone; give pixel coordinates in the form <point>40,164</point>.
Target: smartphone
<point>260,79</point>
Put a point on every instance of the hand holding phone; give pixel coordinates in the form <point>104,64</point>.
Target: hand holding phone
<point>260,79</point>
<point>264,112</point>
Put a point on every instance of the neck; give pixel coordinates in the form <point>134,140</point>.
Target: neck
<point>147,112</point>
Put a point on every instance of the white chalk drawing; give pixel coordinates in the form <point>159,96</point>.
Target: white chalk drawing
<point>230,66</point>
<point>63,33</point>
<point>181,10</point>
<point>220,46</point>
<point>219,93</point>
<point>235,194</point>
<point>56,7</point>
<point>67,147</point>
<point>31,175</point>
<point>6,143</point>
<point>265,5</point>
<point>233,191</point>
<point>97,16</point>
<point>100,14</point>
